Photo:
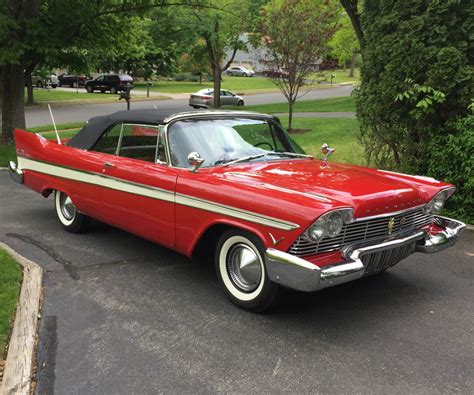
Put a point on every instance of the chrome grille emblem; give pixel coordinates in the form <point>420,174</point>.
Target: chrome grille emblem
<point>391,224</point>
<point>403,221</point>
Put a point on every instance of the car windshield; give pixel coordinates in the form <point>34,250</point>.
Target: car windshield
<point>222,141</point>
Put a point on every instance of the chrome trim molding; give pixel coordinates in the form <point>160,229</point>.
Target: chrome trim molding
<point>151,192</point>
<point>213,113</point>
<point>297,273</point>
<point>234,212</point>
<point>16,174</point>
<point>390,214</point>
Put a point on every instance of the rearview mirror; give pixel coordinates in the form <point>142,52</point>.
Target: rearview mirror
<point>195,160</point>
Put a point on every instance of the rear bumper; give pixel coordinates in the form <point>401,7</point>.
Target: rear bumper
<point>297,273</point>
<point>16,174</point>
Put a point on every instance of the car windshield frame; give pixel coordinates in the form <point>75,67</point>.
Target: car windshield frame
<point>295,151</point>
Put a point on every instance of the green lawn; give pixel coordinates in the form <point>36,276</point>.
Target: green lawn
<point>338,133</point>
<point>341,76</point>
<point>10,282</point>
<point>44,95</point>
<point>346,104</point>
<point>235,84</point>
<point>62,126</point>
<point>7,153</point>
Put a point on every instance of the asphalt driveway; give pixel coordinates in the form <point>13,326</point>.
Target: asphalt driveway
<point>123,315</point>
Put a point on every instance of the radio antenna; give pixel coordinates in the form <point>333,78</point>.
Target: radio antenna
<point>54,124</point>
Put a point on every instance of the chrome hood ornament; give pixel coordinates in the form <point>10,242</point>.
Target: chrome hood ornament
<point>326,151</point>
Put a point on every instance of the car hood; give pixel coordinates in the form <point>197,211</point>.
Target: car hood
<point>368,191</point>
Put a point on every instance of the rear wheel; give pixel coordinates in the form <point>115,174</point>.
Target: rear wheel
<point>240,267</point>
<point>39,84</point>
<point>70,219</point>
<point>74,84</point>
<point>113,90</point>
<point>89,89</point>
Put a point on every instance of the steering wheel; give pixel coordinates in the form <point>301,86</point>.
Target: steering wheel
<point>264,143</point>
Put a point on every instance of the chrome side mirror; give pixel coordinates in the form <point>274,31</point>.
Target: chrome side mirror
<point>326,151</point>
<point>195,160</point>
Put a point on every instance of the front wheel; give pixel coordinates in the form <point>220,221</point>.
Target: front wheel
<point>89,89</point>
<point>240,103</point>
<point>113,90</point>
<point>71,220</point>
<point>240,267</point>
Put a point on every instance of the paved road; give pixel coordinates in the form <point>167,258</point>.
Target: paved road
<point>40,115</point>
<point>123,315</point>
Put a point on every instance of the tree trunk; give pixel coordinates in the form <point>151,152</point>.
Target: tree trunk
<point>217,84</point>
<point>29,89</point>
<point>353,62</point>
<point>351,7</point>
<point>290,115</point>
<point>13,109</point>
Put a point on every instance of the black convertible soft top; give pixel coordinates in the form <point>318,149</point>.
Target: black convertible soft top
<point>93,130</point>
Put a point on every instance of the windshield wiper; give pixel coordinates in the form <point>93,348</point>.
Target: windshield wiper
<point>244,159</point>
<point>290,154</point>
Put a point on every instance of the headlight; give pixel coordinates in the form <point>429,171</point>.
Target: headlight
<point>437,203</point>
<point>330,224</point>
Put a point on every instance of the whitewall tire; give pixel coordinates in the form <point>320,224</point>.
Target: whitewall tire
<point>70,219</point>
<point>240,268</point>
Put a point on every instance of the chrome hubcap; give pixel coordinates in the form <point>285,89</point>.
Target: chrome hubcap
<point>243,266</point>
<point>67,208</point>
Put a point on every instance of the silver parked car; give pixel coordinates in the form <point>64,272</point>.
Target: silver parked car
<point>205,97</point>
<point>240,71</point>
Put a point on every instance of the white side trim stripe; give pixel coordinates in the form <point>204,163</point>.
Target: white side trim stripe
<point>151,192</point>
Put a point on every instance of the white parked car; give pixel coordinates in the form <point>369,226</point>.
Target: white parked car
<point>240,71</point>
<point>205,98</point>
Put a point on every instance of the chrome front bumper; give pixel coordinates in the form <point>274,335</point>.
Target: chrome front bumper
<point>16,174</point>
<point>299,274</point>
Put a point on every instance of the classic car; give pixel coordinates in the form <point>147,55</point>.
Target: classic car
<point>234,185</point>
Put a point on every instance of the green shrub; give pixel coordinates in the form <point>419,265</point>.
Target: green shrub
<point>451,158</point>
<point>417,84</point>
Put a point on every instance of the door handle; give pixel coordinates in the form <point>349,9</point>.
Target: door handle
<point>109,165</point>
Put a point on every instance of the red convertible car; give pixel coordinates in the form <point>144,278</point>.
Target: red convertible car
<point>235,185</point>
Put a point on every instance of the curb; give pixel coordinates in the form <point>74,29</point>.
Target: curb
<point>19,365</point>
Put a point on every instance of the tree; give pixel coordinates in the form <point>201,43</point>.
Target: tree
<point>352,9</point>
<point>417,86</point>
<point>296,33</point>
<point>220,24</point>
<point>61,32</point>
<point>196,60</point>
<point>344,44</point>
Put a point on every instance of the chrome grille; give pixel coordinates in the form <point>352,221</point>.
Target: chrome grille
<point>375,262</point>
<point>363,230</point>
